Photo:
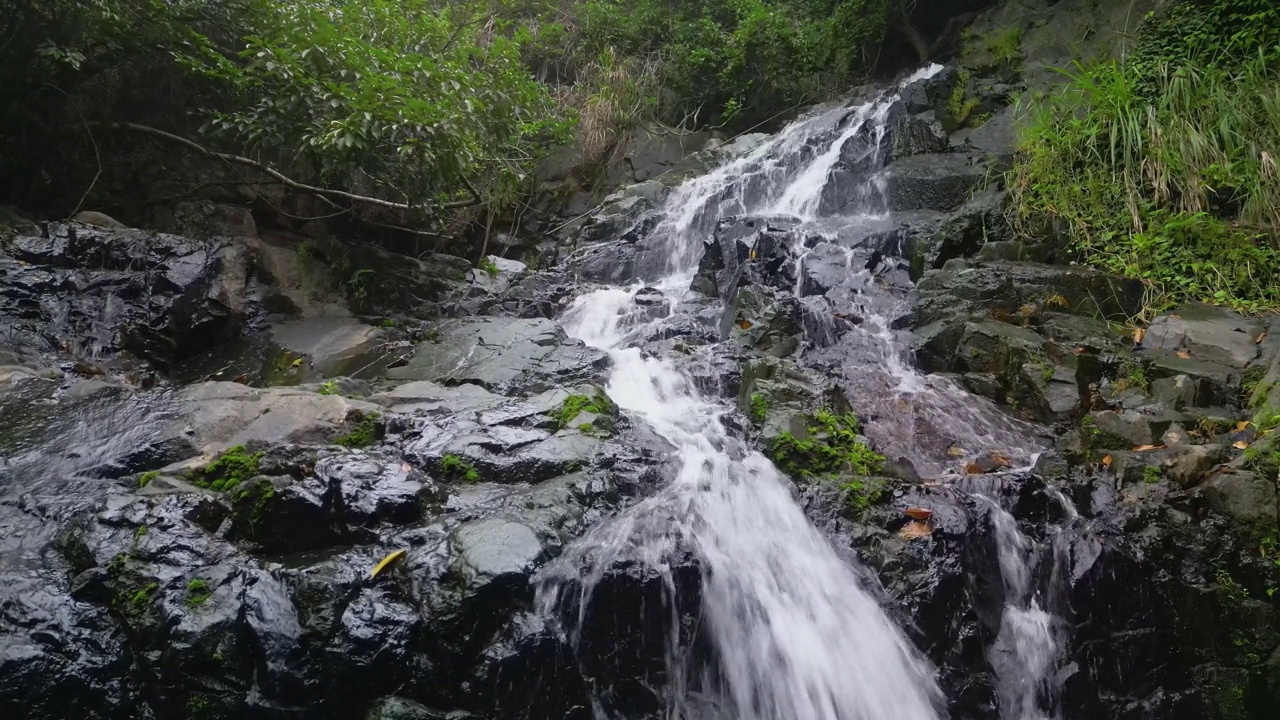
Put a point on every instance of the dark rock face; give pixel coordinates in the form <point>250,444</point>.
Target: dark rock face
<point>156,296</point>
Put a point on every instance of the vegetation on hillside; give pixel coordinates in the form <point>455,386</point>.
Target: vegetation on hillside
<point>1163,165</point>
<point>403,112</point>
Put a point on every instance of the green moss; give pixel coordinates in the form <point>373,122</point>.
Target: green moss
<point>139,533</point>
<point>144,596</point>
<point>1151,474</point>
<point>145,478</point>
<point>960,105</point>
<point>1135,377</point>
<point>250,505</point>
<point>598,404</point>
<point>455,469</point>
<point>759,409</point>
<point>198,591</point>
<point>832,450</point>
<point>364,432</point>
<point>229,470</point>
<point>489,266</point>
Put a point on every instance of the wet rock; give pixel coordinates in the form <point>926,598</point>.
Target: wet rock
<point>780,396</point>
<point>94,292</point>
<point>932,182</point>
<point>502,355</point>
<point>429,398</point>
<point>973,227</point>
<point>918,134</point>
<point>1209,334</point>
<point>398,708</point>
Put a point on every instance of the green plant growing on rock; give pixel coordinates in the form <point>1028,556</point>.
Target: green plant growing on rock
<point>1151,474</point>
<point>139,533</point>
<point>960,105</point>
<point>759,408</point>
<point>228,470</point>
<point>198,591</point>
<point>1005,44</point>
<point>328,387</point>
<point>145,478</point>
<point>597,403</point>
<point>144,596</point>
<point>250,505</point>
<point>364,432</point>
<point>832,450</point>
<point>489,267</point>
<point>455,469</point>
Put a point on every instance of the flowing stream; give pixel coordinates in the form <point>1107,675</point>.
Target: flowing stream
<point>796,629</point>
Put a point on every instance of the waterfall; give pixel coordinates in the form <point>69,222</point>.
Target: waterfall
<point>795,629</point>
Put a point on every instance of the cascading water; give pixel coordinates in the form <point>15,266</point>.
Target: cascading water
<point>1025,653</point>
<point>795,629</point>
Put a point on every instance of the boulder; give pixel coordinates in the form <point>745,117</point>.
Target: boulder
<point>932,182</point>
<point>503,355</point>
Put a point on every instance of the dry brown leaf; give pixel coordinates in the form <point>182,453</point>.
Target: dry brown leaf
<point>1138,335</point>
<point>1194,433</point>
<point>1175,316</point>
<point>915,530</point>
<point>1144,448</point>
<point>1106,461</point>
<point>1078,351</point>
<point>1258,340</point>
<point>744,324</point>
<point>916,513</point>
<point>1001,459</point>
<point>1243,424</point>
<point>1240,444</point>
<point>1183,354</point>
<point>972,469</point>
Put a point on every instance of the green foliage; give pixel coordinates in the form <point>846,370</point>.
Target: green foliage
<point>139,532</point>
<point>598,404</point>
<point>759,408</point>
<point>1005,44</point>
<point>1151,474</point>
<point>409,93</point>
<point>228,470</point>
<point>1168,175</point>
<point>363,433</point>
<point>489,267</point>
<point>329,387</point>
<point>960,104</point>
<point>455,469</point>
<point>832,450</point>
<point>1228,31</point>
<point>145,478</point>
<point>198,591</point>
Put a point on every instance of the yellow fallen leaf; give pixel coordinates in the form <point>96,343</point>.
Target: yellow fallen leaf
<point>1106,461</point>
<point>1183,354</point>
<point>753,254</point>
<point>1144,448</point>
<point>955,451</point>
<point>1138,335</point>
<point>915,530</point>
<point>297,363</point>
<point>1258,340</point>
<point>384,562</point>
<point>1240,444</point>
<point>1243,424</point>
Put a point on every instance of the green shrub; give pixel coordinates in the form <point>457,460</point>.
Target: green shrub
<point>759,409</point>
<point>1168,176</point>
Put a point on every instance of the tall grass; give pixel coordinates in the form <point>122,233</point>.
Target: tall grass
<point>1170,177</point>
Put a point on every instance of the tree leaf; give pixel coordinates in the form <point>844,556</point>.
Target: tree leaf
<point>1106,461</point>
<point>1240,444</point>
<point>1183,354</point>
<point>384,562</point>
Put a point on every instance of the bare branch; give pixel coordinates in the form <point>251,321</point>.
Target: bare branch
<point>325,193</point>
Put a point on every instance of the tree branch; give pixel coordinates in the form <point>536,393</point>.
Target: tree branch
<point>325,193</point>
